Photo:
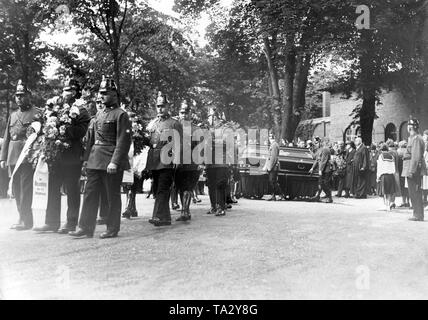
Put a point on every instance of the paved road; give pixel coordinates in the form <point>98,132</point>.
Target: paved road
<point>260,250</point>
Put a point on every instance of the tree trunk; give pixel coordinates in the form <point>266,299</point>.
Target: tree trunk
<point>303,64</point>
<point>368,63</point>
<point>424,45</point>
<point>287,99</point>
<point>116,70</point>
<point>274,88</point>
<point>367,115</point>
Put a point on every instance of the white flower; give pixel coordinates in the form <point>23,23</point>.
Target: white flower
<point>52,121</point>
<point>74,111</point>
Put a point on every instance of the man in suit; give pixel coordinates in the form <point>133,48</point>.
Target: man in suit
<point>106,158</point>
<point>414,168</point>
<point>322,163</point>
<point>16,134</point>
<point>349,179</point>
<point>66,172</point>
<point>361,169</point>
<point>160,162</point>
<point>271,166</point>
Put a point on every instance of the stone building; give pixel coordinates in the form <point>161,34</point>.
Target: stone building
<point>393,114</point>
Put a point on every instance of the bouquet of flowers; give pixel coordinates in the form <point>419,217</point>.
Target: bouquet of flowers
<point>139,137</point>
<point>53,140</point>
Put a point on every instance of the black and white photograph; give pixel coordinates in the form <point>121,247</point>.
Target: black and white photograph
<point>213,150</point>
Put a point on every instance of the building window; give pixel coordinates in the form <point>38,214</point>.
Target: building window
<point>404,135</point>
<point>391,132</point>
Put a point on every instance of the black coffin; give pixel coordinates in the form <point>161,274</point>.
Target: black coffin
<point>294,177</point>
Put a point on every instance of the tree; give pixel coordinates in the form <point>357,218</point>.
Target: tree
<point>161,59</point>
<point>118,24</point>
<point>22,55</point>
<point>384,56</point>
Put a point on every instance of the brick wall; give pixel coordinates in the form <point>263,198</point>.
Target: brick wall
<point>394,109</point>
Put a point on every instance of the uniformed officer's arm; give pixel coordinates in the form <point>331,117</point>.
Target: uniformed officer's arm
<point>123,139</point>
<point>90,140</point>
<point>5,146</point>
<point>178,157</point>
<point>79,126</point>
<point>417,155</point>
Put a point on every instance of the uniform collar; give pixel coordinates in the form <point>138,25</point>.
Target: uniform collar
<point>112,107</point>
<point>23,109</point>
<point>163,117</point>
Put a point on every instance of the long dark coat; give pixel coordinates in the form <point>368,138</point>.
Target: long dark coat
<point>349,169</point>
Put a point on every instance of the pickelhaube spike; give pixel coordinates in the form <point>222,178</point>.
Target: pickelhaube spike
<point>107,84</point>
<point>184,107</point>
<point>20,88</point>
<point>71,84</point>
<point>414,123</point>
<point>161,100</point>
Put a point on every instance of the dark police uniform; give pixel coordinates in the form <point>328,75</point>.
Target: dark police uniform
<point>217,174</point>
<point>109,141</point>
<point>187,173</point>
<point>14,140</point>
<point>414,168</point>
<point>67,172</point>
<point>163,173</point>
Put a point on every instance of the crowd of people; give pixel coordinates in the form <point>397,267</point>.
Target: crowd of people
<point>388,169</point>
<point>69,141</point>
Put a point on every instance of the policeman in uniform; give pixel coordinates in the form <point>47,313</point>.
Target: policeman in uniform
<point>14,140</point>
<point>67,171</point>
<point>217,169</point>
<point>322,162</point>
<point>414,168</point>
<point>103,206</point>
<point>187,174</point>
<point>106,158</point>
<point>163,173</point>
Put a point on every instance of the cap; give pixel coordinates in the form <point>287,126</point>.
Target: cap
<point>71,84</point>
<point>107,84</point>
<point>20,88</point>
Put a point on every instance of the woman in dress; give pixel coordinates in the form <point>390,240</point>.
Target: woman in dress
<point>386,171</point>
